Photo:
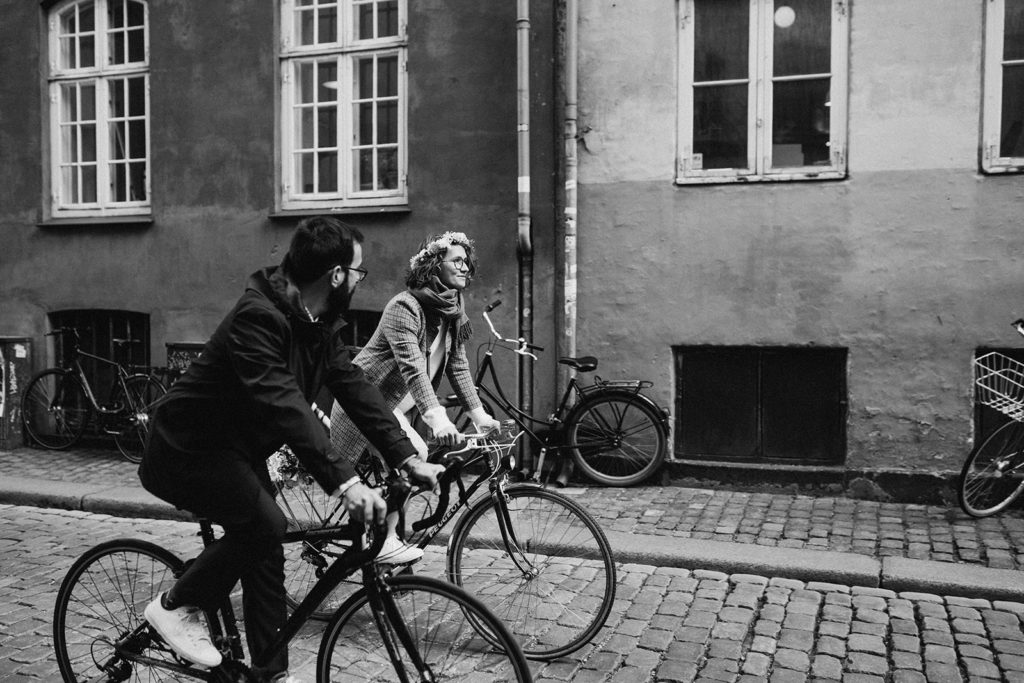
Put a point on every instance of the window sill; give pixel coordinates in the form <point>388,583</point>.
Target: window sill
<point>83,222</point>
<point>287,214</point>
<point>758,179</point>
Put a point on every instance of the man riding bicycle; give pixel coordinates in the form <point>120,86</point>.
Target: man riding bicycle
<point>245,396</point>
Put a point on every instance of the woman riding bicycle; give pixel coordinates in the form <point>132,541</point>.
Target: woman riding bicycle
<point>420,339</point>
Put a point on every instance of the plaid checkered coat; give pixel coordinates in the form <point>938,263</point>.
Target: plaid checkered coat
<point>395,359</point>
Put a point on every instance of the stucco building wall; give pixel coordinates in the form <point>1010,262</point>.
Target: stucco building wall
<point>911,262</point>
<point>213,102</point>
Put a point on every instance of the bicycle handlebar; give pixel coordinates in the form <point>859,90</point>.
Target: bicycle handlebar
<point>524,347</point>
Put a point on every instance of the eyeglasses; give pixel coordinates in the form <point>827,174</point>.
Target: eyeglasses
<point>459,263</point>
<point>362,273</point>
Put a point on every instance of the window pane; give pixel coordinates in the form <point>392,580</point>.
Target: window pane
<point>327,73</point>
<point>137,97</point>
<point>327,118</point>
<point>328,167</point>
<point>69,101</point>
<point>115,13</point>
<point>116,88</point>
<point>306,91</point>
<point>364,123</point>
<point>88,95</point>
<point>1011,142</point>
<point>117,51</point>
<point>720,125</point>
<point>136,13</point>
<point>88,143</point>
<point>364,75</point>
<point>305,172</point>
<point>328,29</point>
<point>364,20</point>
<point>306,128</point>
<point>1013,30</point>
<point>387,18</point>
<point>137,182</point>
<point>306,24</point>
<point>387,123</point>
<point>89,184</point>
<point>119,182</point>
<point>118,146</point>
<point>69,184</point>
<point>387,169</point>
<point>721,39</point>
<point>387,77</point>
<point>137,139</point>
<point>87,51</point>
<point>68,53</point>
<point>365,170</point>
<point>800,130</point>
<point>803,37</point>
<point>137,45</point>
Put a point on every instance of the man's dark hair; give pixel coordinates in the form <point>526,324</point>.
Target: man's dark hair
<point>319,244</point>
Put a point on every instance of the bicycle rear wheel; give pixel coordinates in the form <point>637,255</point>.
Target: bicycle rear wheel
<point>553,584</point>
<point>442,621</point>
<point>307,506</point>
<point>616,439</point>
<point>143,392</point>
<point>101,601</point>
<point>54,409</point>
<point>993,476</point>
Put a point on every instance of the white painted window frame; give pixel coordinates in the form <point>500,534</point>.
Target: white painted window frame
<point>346,51</point>
<point>992,97</point>
<point>101,74</point>
<point>759,102</point>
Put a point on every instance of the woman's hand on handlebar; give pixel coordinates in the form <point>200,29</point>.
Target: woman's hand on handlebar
<point>423,472</point>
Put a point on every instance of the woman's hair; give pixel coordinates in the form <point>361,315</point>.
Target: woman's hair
<point>427,261</point>
<point>319,244</point>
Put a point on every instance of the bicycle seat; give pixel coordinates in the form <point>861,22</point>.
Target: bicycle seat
<point>583,363</point>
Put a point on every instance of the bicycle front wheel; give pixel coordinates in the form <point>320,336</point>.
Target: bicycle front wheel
<point>143,392</point>
<point>616,439</point>
<point>993,476</point>
<point>444,626</point>
<point>54,409</point>
<point>100,602</point>
<point>552,580</point>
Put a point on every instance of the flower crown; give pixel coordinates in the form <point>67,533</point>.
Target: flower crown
<point>439,245</point>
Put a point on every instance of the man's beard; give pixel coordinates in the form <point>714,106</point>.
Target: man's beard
<point>338,300</point>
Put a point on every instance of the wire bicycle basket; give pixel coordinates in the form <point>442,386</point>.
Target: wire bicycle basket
<point>1000,384</point>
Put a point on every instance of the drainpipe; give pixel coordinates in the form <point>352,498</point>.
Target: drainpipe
<point>524,246</point>
<point>567,343</point>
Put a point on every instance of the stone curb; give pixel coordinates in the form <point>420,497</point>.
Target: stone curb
<point>898,574</point>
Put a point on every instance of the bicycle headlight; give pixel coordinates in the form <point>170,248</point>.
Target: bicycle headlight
<point>509,462</point>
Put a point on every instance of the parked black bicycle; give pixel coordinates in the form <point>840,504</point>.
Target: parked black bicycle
<point>396,627</point>
<point>993,475</point>
<point>613,431</point>
<point>59,403</point>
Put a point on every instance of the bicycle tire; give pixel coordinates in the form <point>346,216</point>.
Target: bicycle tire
<point>560,602</point>
<point>993,475</point>
<point>616,439</point>
<point>55,409</point>
<point>143,392</point>
<point>441,618</point>
<point>101,600</point>
<point>307,506</point>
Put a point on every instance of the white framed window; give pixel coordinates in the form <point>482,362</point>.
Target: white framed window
<point>762,90</point>
<point>1003,99</point>
<point>343,104</point>
<point>99,108</point>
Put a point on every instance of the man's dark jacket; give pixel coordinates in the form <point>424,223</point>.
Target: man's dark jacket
<point>250,389</point>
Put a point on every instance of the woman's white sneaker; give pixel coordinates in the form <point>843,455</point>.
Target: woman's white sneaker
<point>395,551</point>
<point>184,632</point>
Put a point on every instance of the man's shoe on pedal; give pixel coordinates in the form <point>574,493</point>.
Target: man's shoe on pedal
<point>184,632</point>
<point>394,551</point>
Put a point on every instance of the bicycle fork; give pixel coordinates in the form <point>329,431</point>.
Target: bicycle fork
<point>508,534</point>
<point>391,626</point>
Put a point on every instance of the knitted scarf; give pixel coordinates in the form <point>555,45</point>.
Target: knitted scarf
<point>439,301</point>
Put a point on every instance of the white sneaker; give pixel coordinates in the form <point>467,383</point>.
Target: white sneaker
<point>184,632</point>
<point>395,551</point>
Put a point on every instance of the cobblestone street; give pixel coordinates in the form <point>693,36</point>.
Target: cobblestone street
<point>668,624</point>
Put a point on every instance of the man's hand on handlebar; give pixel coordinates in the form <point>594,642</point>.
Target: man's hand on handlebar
<point>365,504</point>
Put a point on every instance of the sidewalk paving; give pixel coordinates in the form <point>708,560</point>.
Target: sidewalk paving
<point>901,547</point>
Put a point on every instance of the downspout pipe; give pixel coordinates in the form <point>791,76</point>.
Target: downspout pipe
<point>570,162</point>
<point>524,244</point>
